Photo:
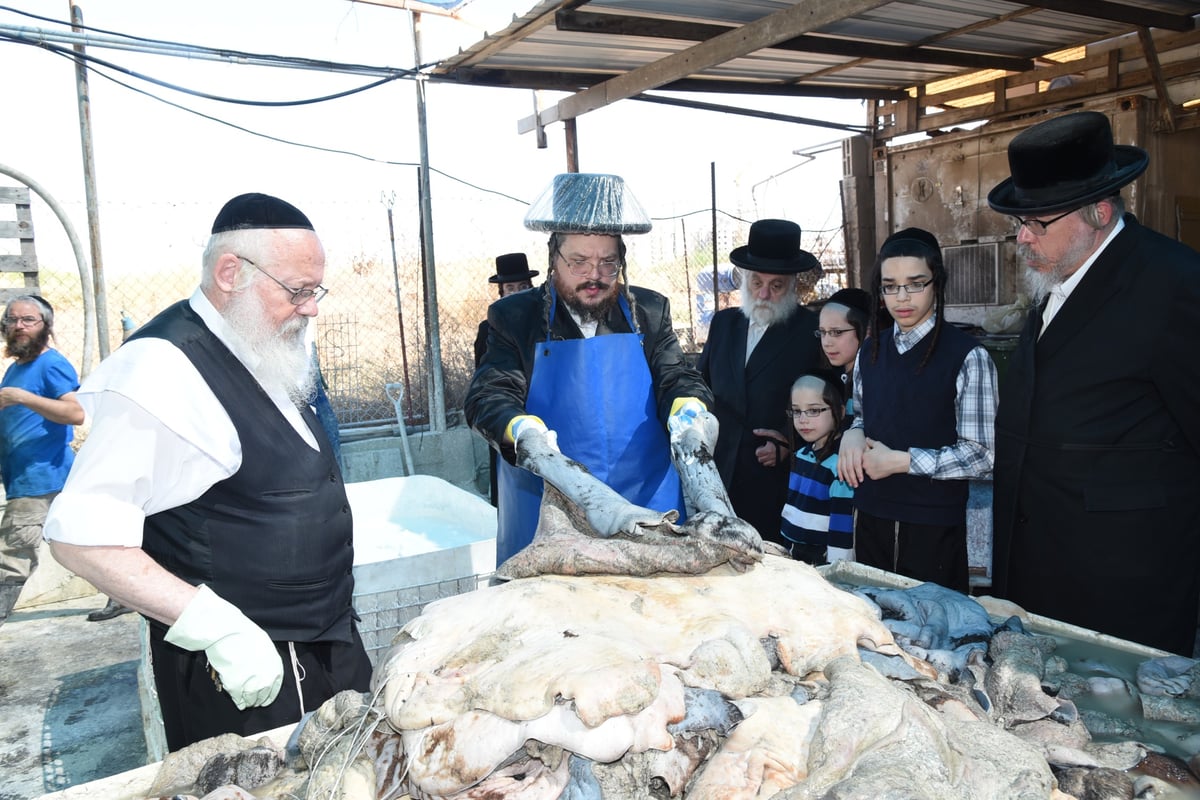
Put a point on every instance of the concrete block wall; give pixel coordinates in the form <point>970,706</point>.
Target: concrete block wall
<point>458,455</point>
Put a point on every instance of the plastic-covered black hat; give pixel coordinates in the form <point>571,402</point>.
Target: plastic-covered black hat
<point>580,202</point>
<point>254,210</point>
<point>511,268</point>
<point>774,247</point>
<point>1065,163</point>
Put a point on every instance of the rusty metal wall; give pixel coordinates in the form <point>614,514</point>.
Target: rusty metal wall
<point>941,184</point>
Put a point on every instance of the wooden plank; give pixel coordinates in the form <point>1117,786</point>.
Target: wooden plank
<point>15,229</point>
<point>15,263</point>
<point>14,194</point>
<point>803,17</point>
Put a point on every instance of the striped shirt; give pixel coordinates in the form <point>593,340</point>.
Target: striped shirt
<point>819,508</point>
<point>973,454</point>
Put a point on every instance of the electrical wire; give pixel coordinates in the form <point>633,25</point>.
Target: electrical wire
<point>90,63</point>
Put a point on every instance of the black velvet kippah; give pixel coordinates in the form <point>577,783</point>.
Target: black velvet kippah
<point>256,210</point>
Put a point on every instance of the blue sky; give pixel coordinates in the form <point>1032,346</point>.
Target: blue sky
<point>163,172</point>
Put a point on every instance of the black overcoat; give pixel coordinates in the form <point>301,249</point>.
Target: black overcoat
<point>756,395</point>
<point>1097,477</point>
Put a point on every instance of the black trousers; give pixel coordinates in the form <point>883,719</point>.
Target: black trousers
<point>932,553</point>
<point>193,709</point>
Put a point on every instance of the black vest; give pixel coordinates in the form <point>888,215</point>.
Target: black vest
<point>276,538</point>
<point>903,408</point>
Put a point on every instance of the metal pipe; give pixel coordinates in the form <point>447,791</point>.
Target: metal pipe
<point>85,276</point>
<point>399,305</point>
<point>712,180</point>
<point>437,397</point>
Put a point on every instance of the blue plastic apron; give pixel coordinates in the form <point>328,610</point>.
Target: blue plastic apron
<point>596,394</point>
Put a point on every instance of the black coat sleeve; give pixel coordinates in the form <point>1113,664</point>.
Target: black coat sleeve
<point>501,381</point>
<point>672,375</point>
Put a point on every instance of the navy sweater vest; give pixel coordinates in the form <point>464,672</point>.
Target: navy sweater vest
<point>276,538</point>
<point>906,405</point>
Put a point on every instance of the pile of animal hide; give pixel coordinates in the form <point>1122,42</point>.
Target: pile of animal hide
<point>630,657</point>
<point>586,528</point>
<point>767,682</point>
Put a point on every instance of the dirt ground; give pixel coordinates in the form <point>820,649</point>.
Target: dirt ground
<point>69,708</point>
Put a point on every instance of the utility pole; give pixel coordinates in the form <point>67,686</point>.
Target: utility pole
<point>89,182</point>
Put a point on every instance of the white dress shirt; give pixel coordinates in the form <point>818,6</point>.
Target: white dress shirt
<point>1059,294</point>
<point>159,439</point>
<point>754,334</point>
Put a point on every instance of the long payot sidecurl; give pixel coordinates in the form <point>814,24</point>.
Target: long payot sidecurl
<point>552,252</point>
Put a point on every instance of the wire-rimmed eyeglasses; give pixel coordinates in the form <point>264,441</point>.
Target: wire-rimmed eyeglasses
<point>582,267</point>
<point>21,322</point>
<point>1037,226</point>
<point>299,296</point>
<point>805,412</point>
<point>832,333</point>
<point>916,287</point>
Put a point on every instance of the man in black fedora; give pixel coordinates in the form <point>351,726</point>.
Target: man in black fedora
<point>752,356</point>
<point>512,275</point>
<point>1097,476</point>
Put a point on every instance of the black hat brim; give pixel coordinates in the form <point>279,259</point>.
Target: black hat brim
<point>1131,162</point>
<point>514,277</point>
<point>803,261</point>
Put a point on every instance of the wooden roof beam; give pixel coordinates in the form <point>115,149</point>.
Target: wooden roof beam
<point>575,81</point>
<point>803,17</point>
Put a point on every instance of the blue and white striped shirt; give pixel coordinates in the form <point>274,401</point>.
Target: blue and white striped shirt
<point>819,508</point>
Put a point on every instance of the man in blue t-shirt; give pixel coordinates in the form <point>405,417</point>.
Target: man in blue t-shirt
<point>37,409</point>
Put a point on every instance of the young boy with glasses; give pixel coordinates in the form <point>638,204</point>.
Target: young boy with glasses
<point>926,396</point>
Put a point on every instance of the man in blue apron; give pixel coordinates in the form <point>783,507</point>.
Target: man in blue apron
<point>587,356</point>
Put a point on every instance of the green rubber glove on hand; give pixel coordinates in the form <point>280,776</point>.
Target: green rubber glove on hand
<point>242,653</point>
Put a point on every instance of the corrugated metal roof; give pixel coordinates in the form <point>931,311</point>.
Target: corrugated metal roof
<point>862,49</point>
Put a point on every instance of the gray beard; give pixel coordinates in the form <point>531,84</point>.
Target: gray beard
<point>1039,284</point>
<point>283,360</point>
<point>767,312</point>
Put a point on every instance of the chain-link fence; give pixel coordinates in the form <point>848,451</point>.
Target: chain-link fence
<point>374,328</point>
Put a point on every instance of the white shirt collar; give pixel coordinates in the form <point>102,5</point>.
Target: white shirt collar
<point>1064,289</point>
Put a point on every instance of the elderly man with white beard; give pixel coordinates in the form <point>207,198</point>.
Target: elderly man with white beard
<point>207,496</point>
<point>753,355</point>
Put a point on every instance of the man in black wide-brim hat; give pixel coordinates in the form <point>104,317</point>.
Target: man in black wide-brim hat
<point>1097,476</point>
<point>752,356</point>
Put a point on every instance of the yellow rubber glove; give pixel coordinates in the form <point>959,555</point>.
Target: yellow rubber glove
<point>522,422</point>
<point>681,402</point>
<point>684,412</point>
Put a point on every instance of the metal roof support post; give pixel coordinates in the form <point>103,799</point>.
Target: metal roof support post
<point>437,398</point>
<point>712,187</point>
